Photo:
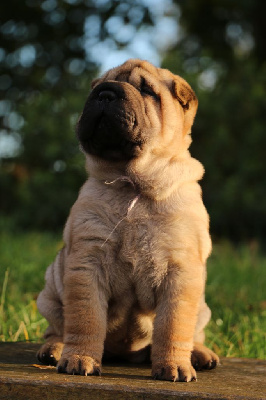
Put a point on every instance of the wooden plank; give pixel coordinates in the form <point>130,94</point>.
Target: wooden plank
<point>22,377</point>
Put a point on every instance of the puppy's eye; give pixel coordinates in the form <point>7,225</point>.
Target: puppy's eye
<point>146,90</point>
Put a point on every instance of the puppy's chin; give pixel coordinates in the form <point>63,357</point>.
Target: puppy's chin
<point>109,145</point>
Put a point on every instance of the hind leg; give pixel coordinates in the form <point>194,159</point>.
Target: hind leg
<point>203,358</point>
<point>50,352</point>
<point>51,308</point>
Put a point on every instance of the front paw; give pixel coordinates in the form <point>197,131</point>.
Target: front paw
<point>174,371</point>
<point>76,364</point>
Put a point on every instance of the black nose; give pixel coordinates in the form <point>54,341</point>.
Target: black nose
<point>107,95</point>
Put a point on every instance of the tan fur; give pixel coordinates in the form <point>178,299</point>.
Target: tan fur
<point>129,278</point>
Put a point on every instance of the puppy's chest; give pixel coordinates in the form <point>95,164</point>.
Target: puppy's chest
<point>142,248</point>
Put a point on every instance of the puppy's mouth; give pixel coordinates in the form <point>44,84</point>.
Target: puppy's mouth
<point>108,127</point>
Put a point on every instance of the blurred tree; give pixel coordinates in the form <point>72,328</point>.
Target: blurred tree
<point>47,59</point>
<point>222,53</point>
<point>44,43</point>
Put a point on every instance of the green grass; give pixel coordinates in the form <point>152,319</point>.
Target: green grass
<point>23,261</point>
<point>235,292</point>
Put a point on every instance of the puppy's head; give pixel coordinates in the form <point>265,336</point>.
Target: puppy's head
<point>136,107</point>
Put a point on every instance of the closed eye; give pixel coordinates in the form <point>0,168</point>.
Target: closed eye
<point>146,90</point>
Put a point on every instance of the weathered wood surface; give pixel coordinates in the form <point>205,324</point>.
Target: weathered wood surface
<point>22,378</point>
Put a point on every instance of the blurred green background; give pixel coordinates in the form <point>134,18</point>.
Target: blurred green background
<point>49,52</point>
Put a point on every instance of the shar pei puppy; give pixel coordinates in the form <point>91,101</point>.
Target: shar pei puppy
<point>130,280</point>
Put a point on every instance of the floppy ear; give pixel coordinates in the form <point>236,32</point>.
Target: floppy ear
<point>187,99</point>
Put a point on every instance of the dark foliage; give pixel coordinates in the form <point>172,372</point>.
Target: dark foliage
<point>46,66</point>
<point>223,56</point>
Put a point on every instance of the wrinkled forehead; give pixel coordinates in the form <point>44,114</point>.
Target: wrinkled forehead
<point>135,71</point>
